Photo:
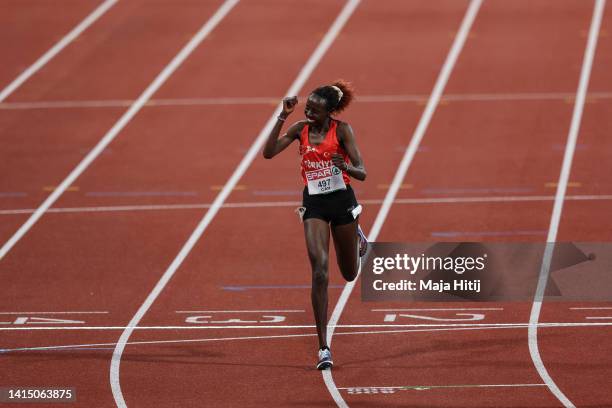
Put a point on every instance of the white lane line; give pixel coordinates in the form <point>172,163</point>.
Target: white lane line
<point>240,311</point>
<point>204,31</point>
<point>303,326</point>
<point>119,125</point>
<point>109,103</point>
<point>294,89</point>
<point>264,204</point>
<point>259,100</point>
<point>48,313</point>
<point>558,205</point>
<point>598,317</point>
<point>409,154</point>
<point>439,309</point>
<point>59,46</point>
<point>281,336</point>
<point>591,308</point>
<point>426,387</point>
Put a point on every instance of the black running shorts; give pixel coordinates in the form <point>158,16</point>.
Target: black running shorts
<point>334,208</point>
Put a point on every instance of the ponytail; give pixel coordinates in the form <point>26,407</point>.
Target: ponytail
<point>338,95</point>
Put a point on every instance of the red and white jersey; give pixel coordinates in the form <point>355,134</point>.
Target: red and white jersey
<point>318,171</point>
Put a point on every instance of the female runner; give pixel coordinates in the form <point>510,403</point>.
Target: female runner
<point>329,156</point>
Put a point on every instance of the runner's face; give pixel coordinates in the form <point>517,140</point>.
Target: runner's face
<point>316,110</point>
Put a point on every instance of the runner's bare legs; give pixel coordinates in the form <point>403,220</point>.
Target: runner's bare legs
<point>317,243</point>
<point>346,243</point>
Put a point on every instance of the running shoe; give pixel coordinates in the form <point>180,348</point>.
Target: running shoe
<point>325,359</point>
<point>363,242</point>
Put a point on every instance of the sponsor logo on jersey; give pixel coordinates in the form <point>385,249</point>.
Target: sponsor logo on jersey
<point>317,174</point>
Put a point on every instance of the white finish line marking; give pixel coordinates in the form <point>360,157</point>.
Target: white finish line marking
<point>304,326</point>
<point>282,336</point>
<point>265,337</point>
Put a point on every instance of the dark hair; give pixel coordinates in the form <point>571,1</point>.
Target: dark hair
<point>335,104</point>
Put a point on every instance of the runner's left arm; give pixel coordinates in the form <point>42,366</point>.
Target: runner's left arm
<point>355,169</point>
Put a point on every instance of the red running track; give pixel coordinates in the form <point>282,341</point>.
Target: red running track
<point>109,261</point>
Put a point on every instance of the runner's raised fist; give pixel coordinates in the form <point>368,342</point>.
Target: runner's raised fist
<point>289,104</point>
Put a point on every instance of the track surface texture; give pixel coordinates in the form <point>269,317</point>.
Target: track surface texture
<point>151,256</point>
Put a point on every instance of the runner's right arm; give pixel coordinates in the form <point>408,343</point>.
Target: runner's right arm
<point>274,144</point>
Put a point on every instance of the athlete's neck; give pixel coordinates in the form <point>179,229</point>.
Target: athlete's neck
<point>322,127</point>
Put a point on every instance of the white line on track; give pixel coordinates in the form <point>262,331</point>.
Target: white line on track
<point>570,148</point>
<point>281,336</point>
<point>409,154</point>
<point>48,313</point>
<point>263,204</point>
<point>119,125</point>
<point>56,49</point>
<point>294,89</point>
<point>439,309</point>
<point>422,387</point>
<point>161,78</point>
<point>298,326</point>
<point>591,308</point>
<point>240,311</point>
<point>259,100</point>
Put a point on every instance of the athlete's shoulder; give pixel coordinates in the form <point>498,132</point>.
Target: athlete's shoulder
<point>343,128</point>
<point>301,123</point>
<point>296,128</point>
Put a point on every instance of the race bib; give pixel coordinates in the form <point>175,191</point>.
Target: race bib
<point>325,180</point>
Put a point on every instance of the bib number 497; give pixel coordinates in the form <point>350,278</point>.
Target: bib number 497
<point>324,185</point>
<point>325,180</point>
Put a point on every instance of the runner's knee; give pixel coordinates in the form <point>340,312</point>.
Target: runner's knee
<point>320,275</point>
<point>349,273</point>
